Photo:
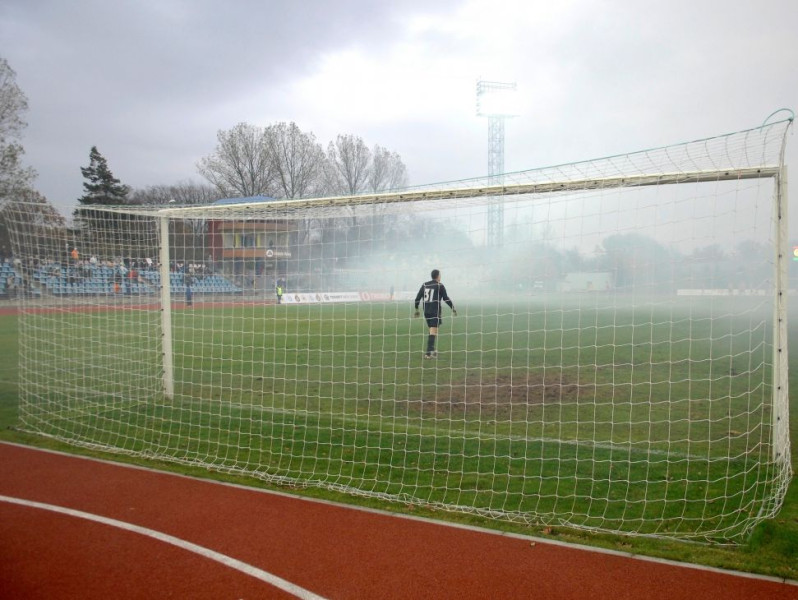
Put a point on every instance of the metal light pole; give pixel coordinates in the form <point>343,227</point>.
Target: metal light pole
<point>495,101</point>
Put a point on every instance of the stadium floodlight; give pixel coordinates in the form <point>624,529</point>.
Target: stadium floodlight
<point>642,389</point>
<point>497,99</point>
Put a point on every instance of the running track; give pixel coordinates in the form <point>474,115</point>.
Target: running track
<point>72,527</point>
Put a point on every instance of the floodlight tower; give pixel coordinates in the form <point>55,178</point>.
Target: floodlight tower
<point>496,101</point>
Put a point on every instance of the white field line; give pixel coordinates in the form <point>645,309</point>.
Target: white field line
<point>228,561</point>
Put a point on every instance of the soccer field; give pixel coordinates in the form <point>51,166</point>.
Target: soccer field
<point>650,420</point>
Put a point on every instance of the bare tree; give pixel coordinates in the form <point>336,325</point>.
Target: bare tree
<point>185,193</point>
<point>31,225</point>
<point>388,172</point>
<point>300,166</point>
<point>13,103</point>
<point>351,159</point>
<point>297,161</point>
<point>26,217</point>
<point>242,164</point>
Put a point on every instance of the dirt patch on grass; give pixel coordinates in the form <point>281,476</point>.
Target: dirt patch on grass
<point>530,388</point>
<point>504,395</point>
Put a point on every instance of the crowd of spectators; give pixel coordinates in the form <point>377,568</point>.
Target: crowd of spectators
<point>84,272</point>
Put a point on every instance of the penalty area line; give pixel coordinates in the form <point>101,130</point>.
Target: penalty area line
<point>247,569</point>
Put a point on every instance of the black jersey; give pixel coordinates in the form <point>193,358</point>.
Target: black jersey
<point>432,293</point>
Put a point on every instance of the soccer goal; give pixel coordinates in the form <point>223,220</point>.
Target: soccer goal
<point>617,363</point>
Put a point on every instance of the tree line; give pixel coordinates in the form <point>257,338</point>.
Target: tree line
<point>279,161</point>
<point>282,161</point>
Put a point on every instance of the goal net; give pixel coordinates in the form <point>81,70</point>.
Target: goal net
<point>617,363</point>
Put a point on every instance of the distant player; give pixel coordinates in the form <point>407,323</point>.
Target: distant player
<point>432,293</point>
<point>189,291</point>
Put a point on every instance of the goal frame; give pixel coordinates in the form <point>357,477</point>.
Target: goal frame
<point>780,220</point>
<point>649,410</point>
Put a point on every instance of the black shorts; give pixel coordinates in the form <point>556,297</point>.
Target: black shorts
<point>433,321</point>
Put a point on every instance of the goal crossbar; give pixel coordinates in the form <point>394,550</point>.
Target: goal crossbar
<point>456,193</point>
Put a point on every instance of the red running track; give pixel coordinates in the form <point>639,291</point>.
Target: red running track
<point>72,527</point>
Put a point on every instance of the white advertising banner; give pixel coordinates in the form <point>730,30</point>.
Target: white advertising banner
<point>320,297</point>
<point>325,297</point>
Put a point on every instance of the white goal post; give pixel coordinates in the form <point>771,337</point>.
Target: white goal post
<point>618,364</point>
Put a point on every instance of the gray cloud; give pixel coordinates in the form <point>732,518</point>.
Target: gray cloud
<point>150,83</point>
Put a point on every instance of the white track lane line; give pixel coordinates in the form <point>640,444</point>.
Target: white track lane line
<point>228,561</point>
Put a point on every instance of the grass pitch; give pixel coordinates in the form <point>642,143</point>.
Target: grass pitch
<point>648,420</point>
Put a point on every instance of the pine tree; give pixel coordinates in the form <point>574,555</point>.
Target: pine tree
<point>101,186</point>
<point>103,233</point>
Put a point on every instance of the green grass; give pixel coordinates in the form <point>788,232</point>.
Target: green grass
<point>583,421</point>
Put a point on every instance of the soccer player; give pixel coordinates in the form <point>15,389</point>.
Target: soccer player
<point>432,293</point>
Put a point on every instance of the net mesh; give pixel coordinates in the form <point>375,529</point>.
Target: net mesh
<point>611,365</point>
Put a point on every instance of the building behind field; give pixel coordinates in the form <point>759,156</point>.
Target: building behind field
<point>252,250</point>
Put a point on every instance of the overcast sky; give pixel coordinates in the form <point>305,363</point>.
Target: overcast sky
<point>150,83</point>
